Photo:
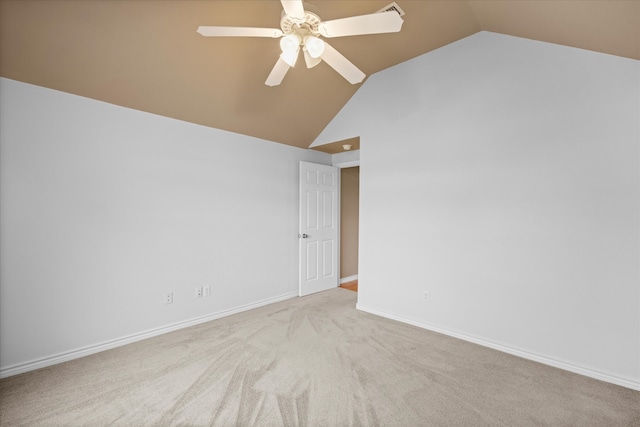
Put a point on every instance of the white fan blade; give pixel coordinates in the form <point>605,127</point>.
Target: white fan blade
<point>239,32</point>
<point>294,9</point>
<point>277,73</point>
<point>375,23</point>
<point>342,65</point>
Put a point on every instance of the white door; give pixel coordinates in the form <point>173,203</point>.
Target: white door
<point>318,228</point>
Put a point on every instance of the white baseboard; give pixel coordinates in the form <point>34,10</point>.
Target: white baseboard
<point>602,376</point>
<point>107,345</point>
<point>349,279</point>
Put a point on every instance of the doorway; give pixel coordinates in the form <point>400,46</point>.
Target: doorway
<point>345,155</point>
<point>349,226</point>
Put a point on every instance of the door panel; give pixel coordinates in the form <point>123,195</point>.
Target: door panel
<point>312,261</point>
<point>327,258</point>
<point>318,228</point>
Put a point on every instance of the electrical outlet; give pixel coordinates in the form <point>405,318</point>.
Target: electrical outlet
<point>199,292</point>
<point>168,298</point>
<point>427,296</point>
<point>206,291</point>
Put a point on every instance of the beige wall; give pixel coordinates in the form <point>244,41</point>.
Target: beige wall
<point>349,199</point>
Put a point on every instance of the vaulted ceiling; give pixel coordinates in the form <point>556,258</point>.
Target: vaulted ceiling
<point>146,55</point>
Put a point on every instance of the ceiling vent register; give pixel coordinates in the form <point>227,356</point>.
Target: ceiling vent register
<point>392,7</point>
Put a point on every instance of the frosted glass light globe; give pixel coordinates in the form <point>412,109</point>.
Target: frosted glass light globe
<point>314,46</point>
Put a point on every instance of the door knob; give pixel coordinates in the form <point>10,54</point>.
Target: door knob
<point>304,236</point>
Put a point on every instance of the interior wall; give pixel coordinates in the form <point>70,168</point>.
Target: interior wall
<point>103,210</point>
<point>501,176</point>
<point>349,221</point>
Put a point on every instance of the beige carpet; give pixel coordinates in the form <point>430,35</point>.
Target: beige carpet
<point>310,361</point>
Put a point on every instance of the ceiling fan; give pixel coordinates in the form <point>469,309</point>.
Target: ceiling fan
<point>302,28</point>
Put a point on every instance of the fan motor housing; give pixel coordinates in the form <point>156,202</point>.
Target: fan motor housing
<point>310,24</point>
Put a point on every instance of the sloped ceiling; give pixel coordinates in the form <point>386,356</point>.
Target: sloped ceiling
<point>146,54</point>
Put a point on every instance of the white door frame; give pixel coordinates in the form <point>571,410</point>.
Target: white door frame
<point>349,164</point>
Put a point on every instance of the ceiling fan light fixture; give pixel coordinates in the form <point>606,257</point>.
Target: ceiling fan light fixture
<point>290,43</point>
<point>290,58</point>
<point>314,45</point>
<point>310,61</point>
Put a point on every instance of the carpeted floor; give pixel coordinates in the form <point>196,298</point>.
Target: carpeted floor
<point>310,361</point>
